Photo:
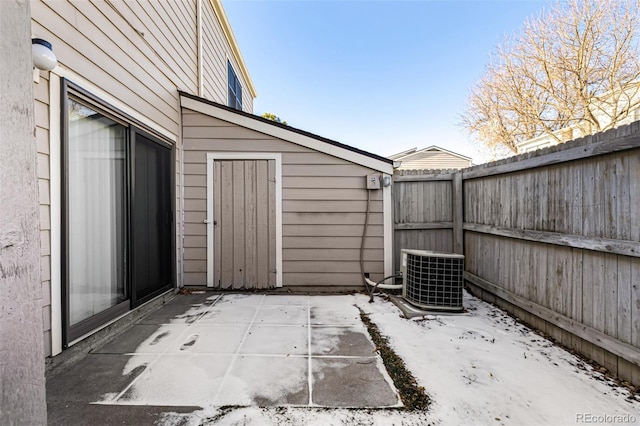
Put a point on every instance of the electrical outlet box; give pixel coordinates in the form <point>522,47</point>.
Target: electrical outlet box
<point>373,181</point>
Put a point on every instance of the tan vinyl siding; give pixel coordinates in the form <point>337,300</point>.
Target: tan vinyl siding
<point>41,94</point>
<point>431,160</point>
<point>96,42</point>
<point>141,53</point>
<point>323,206</point>
<point>215,53</point>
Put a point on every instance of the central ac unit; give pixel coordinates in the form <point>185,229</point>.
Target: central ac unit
<point>431,280</point>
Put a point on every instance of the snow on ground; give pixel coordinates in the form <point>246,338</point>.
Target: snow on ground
<point>295,416</point>
<point>479,368</point>
<point>486,368</point>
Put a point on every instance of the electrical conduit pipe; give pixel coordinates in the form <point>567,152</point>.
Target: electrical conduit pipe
<point>368,283</point>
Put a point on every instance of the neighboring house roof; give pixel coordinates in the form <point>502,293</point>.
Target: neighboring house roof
<point>228,32</point>
<point>433,157</point>
<point>288,133</point>
<point>402,154</point>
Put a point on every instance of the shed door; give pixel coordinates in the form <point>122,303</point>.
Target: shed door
<point>244,224</point>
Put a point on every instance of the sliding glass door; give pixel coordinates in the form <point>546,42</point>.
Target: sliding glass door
<point>119,231</point>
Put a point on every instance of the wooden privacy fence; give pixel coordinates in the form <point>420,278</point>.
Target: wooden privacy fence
<point>424,206</point>
<point>551,236</point>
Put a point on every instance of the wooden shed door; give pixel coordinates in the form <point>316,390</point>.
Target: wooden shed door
<point>244,224</point>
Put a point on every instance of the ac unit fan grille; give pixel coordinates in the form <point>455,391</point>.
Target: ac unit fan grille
<point>434,282</point>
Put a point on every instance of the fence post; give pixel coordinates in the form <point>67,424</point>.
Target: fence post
<point>458,213</point>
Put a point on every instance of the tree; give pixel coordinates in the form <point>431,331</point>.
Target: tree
<point>22,382</point>
<point>576,66</point>
<point>273,117</point>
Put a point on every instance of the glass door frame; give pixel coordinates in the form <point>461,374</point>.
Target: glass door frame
<point>73,333</point>
<point>135,301</point>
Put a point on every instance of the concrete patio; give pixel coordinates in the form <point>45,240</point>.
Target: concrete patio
<point>242,350</point>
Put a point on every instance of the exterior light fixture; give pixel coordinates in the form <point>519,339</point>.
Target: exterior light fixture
<point>43,56</point>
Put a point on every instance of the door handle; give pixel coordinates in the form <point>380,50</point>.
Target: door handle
<point>215,222</point>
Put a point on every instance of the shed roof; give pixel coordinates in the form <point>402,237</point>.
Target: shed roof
<point>287,133</point>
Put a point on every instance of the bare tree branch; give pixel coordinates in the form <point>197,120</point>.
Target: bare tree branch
<point>575,67</point>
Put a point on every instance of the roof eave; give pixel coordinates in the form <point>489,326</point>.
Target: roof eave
<point>464,157</point>
<point>287,133</point>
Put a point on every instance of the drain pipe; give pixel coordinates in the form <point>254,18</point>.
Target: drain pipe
<point>370,285</point>
<point>364,235</point>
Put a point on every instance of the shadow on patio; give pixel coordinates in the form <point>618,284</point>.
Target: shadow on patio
<point>218,350</point>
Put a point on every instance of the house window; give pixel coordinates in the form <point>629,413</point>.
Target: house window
<point>235,89</point>
<point>118,214</point>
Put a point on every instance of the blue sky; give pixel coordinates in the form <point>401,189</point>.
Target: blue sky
<point>383,76</point>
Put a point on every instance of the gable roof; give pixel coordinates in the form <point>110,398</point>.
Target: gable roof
<point>406,155</point>
<point>287,133</point>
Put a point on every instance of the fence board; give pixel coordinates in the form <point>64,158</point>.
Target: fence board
<point>634,195</point>
<point>635,302</point>
<point>628,248</point>
<point>424,225</point>
<point>457,205</point>
<point>624,285</point>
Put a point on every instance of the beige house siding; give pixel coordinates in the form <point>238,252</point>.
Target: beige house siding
<point>323,206</point>
<point>434,160</point>
<point>215,53</point>
<point>41,94</point>
<point>139,52</point>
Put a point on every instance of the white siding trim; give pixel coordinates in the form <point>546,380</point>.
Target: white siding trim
<point>209,222</point>
<point>200,50</point>
<point>387,211</point>
<point>95,90</point>
<point>287,135</point>
<point>55,188</point>
<point>211,157</point>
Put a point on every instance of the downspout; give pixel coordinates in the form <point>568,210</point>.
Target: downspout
<point>200,49</point>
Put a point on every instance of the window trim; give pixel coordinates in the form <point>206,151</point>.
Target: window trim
<point>234,89</point>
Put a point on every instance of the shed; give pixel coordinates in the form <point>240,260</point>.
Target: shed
<point>267,205</point>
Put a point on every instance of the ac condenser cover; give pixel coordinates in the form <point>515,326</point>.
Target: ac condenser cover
<point>432,280</point>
